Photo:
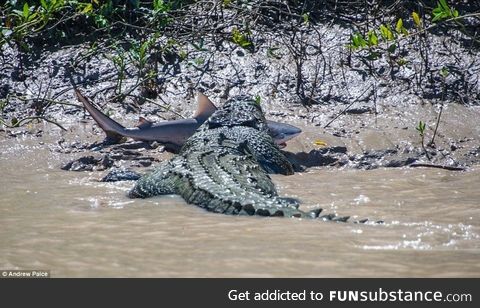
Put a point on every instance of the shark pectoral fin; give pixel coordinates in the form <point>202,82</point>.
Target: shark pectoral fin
<point>144,123</point>
<point>158,182</point>
<point>205,107</point>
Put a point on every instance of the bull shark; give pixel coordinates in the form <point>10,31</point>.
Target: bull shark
<point>172,134</point>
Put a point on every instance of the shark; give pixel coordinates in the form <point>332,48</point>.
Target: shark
<point>173,134</point>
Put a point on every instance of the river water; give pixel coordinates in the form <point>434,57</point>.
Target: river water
<point>73,225</point>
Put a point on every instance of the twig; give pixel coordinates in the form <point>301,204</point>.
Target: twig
<point>450,168</point>
<point>167,108</point>
<point>346,108</point>
<point>30,119</point>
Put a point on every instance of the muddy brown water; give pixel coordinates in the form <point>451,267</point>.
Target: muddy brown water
<point>74,226</point>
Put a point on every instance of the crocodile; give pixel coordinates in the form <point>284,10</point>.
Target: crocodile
<point>173,134</point>
<point>224,167</point>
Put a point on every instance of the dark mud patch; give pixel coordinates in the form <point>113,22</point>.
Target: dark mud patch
<point>116,175</point>
<point>101,156</point>
<point>89,163</point>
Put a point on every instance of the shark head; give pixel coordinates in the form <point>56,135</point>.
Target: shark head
<point>282,132</point>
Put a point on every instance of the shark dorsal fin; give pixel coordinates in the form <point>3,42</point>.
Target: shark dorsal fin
<point>205,107</point>
<point>143,123</point>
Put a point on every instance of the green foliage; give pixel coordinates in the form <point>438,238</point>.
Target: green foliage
<point>443,11</point>
<point>385,40</point>
<point>183,54</point>
<point>372,38</point>
<point>258,99</point>
<point>139,52</point>
<point>416,19</point>
<point>386,33</point>
<point>120,64</point>
<point>421,128</point>
<point>161,6</point>
<point>22,19</point>
<point>357,41</point>
<point>400,28</point>
<point>199,61</point>
<point>402,62</point>
<point>306,18</point>
<point>444,72</point>
<point>241,39</point>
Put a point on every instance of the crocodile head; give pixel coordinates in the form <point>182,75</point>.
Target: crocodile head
<point>239,111</point>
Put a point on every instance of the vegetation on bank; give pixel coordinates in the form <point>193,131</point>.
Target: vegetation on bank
<point>146,37</point>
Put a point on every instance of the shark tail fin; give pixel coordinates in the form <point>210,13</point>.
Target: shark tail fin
<point>113,130</point>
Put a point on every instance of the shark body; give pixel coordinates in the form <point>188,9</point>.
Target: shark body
<point>173,134</point>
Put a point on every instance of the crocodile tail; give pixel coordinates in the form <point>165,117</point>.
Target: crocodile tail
<point>113,130</point>
<point>222,181</point>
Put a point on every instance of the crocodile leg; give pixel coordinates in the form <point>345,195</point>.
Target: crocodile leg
<point>264,150</point>
<point>158,182</point>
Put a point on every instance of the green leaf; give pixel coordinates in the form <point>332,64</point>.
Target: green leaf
<point>44,4</point>
<point>199,61</point>
<point>401,62</point>
<point>421,128</point>
<point>392,48</point>
<point>258,99</point>
<point>386,33</point>
<point>443,4</point>
<point>438,17</point>
<point>240,38</point>
<point>399,26</point>
<point>306,18</point>
<point>455,13</point>
<point>32,16</point>
<point>372,38</point>
<point>444,72</point>
<point>87,9</point>
<point>355,42</point>
<point>101,21</point>
<point>183,54</point>
<point>416,19</point>
<point>26,10</point>
<point>358,41</point>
